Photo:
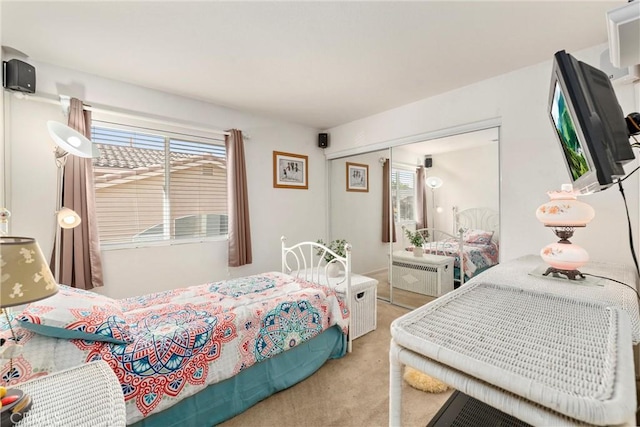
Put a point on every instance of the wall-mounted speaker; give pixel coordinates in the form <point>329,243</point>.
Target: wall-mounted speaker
<point>323,140</point>
<point>428,162</point>
<point>20,76</point>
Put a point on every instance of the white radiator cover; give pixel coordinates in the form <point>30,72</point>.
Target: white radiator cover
<point>428,275</point>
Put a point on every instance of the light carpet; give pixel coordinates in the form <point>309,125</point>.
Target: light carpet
<point>351,391</point>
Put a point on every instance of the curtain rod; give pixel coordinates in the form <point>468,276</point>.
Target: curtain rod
<point>406,164</point>
<point>64,100</point>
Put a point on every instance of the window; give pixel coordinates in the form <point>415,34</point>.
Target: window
<point>158,186</point>
<point>403,194</point>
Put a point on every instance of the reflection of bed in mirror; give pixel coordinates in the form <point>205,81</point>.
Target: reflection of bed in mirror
<point>476,243</point>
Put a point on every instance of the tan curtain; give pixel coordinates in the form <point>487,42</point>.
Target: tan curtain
<point>239,227</point>
<point>421,198</point>
<point>80,261</point>
<point>386,194</point>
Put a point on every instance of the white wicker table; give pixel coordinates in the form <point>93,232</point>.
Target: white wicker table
<point>87,395</point>
<point>518,273</point>
<point>547,358</point>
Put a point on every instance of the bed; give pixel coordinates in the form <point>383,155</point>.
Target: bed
<point>197,355</point>
<point>476,242</point>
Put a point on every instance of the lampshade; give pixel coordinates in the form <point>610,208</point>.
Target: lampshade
<point>25,275</point>
<point>68,218</point>
<point>564,256</point>
<point>564,210</point>
<point>434,182</point>
<point>71,141</point>
<point>563,213</point>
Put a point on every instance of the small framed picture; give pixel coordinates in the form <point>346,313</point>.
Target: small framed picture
<point>357,177</point>
<point>290,170</point>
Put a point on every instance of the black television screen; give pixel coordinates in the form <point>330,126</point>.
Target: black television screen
<point>589,123</point>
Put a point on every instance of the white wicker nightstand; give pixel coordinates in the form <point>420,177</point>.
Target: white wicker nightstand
<point>364,297</point>
<point>546,352</point>
<point>87,395</point>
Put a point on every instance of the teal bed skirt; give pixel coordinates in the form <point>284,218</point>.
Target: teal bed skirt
<point>224,400</point>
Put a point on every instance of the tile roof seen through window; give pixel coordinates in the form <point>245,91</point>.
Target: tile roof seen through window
<point>117,162</point>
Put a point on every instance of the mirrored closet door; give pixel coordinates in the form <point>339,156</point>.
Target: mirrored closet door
<point>365,188</point>
<point>434,185</point>
<point>356,210</point>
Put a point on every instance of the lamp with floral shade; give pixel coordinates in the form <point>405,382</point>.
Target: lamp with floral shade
<point>24,277</point>
<point>564,212</point>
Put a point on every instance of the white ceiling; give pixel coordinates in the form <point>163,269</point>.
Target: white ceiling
<point>463,141</point>
<point>319,64</point>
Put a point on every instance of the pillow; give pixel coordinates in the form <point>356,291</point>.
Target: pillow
<point>480,237</point>
<point>77,314</point>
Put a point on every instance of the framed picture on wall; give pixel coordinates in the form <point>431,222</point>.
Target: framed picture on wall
<point>357,177</point>
<point>290,170</point>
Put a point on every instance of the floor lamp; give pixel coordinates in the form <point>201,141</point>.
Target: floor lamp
<point>4,221</point>
<point>68,141</point>
<point>433,182</point>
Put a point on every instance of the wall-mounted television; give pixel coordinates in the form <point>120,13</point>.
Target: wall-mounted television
<point>589,123</point>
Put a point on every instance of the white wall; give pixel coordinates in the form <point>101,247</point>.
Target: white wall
<point>298,214</point>
<point>470,179</point>
<point>530,159</point>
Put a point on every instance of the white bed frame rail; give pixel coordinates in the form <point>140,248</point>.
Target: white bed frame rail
<point>305,260</point>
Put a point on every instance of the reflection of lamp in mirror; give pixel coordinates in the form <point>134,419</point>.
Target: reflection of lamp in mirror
<point>68,141</point>
<point>564,213</point>
<point>433,182</point>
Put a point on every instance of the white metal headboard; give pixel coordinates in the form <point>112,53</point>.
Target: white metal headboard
<point>478,218</point>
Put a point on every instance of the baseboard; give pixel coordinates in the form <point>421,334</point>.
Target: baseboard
<point>374,272</point>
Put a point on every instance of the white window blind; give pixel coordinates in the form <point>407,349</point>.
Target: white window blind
<point>403,194</point>
<point>156,186</point>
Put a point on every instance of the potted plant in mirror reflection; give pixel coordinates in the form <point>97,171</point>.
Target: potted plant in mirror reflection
<point>416,238</point>
<point>338,247</point>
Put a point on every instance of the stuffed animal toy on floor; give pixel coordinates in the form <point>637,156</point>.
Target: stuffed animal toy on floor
<point>424,382</point>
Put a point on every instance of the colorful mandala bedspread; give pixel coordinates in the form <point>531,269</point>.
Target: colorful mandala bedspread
<point>186,339</point>
<point>476,256</point>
